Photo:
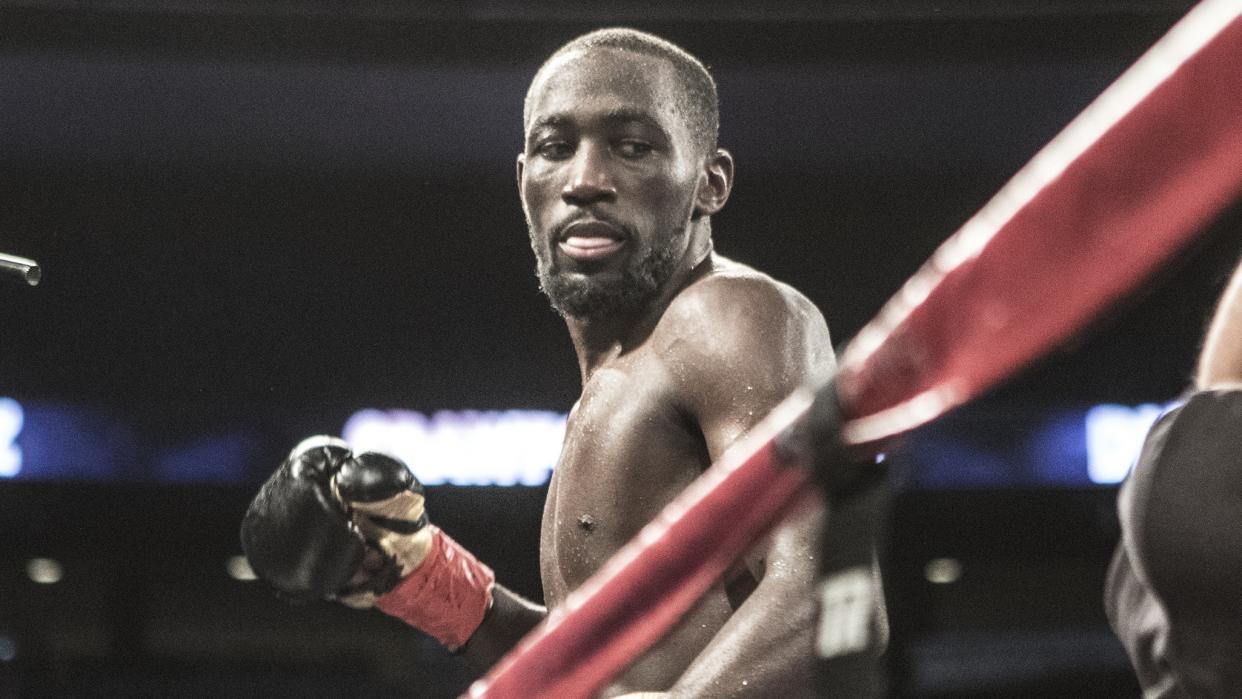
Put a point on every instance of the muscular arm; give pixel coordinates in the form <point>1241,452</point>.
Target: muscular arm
<point>1220,361</point>
<point>1173,594</point>
<point>1180,504</point>
<point>761,342</point>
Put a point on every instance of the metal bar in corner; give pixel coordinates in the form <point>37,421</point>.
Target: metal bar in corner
<point>28,269</point>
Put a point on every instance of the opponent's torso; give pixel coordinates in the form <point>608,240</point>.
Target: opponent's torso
<point>1172,591</point>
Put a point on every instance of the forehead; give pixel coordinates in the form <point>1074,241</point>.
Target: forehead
<point>583,84</point>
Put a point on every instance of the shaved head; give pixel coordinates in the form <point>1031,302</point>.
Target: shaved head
<point>695,91</point>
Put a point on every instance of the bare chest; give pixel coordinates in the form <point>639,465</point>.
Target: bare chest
<point>627,452</point>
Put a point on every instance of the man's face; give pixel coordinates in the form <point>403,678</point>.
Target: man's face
<point>608,179</point>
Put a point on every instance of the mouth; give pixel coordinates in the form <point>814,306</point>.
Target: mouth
<point>590,240</point>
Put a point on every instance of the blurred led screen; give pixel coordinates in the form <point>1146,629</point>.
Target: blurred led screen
<point>512,447</point>
<point>971,448</point>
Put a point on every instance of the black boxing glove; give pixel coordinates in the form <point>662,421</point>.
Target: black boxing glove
<point>296,534</point>
<point>386,504</point>
<point>425,578</point>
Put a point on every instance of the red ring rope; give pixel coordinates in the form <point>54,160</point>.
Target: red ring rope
<point>1122,189</point>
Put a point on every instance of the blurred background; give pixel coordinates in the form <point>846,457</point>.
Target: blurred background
<point>264,220</point>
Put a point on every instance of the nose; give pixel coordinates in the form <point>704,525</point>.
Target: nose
<point>590,180</point>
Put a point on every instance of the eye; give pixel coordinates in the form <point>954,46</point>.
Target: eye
<point>554,150</point>
<point>630,148</point>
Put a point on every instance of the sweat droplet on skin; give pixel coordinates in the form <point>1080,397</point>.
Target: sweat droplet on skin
<point>586,523</point>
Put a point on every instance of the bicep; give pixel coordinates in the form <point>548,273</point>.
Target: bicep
<point>768,359</point>
<point>756,363</point>
<point>788,555</point>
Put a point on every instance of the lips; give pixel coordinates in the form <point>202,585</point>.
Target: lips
<point>590,240</point>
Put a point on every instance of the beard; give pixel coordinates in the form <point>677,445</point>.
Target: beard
<point>584,296</point>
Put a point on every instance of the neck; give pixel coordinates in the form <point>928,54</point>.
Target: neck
<point>601,338</point>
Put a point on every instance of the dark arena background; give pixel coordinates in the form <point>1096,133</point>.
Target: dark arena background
<point>264,220</point>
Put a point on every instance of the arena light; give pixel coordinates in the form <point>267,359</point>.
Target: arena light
<point>11,419</point>
<point>470,447</point>
<point>44,571</point>
<point>239,568</point>
<point>1115,436</point>
<point>943,571</point>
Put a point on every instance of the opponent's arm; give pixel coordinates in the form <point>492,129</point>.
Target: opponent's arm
<point>1181,496</point>
<point>330,524</point>
<point>1220,360</point>
<point>762,342</point>
<point>1176,570</point>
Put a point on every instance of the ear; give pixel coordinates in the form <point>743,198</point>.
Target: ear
<point>714,192</point>
<point>521,168</point>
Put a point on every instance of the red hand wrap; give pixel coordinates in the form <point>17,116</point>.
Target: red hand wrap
<point>447,594</point>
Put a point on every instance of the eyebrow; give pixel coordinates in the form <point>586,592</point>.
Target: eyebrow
<point>622,115</point>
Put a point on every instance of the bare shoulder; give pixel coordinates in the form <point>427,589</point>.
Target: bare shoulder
<point>735,302</point>
<point>739,327</point>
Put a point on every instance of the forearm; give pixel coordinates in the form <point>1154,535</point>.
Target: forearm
<point>454,597</point>
<point>509,619</point>
<point>765,649</point>
<point>1220,361</point>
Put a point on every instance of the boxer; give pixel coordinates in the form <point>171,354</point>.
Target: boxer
<point>680,352</point>
<point>1174,590</point>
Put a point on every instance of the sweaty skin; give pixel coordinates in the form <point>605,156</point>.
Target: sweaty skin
<point>650,419</point>
<point>681,352</point>
<point>670,383</point>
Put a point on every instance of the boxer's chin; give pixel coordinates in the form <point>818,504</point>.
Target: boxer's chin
<point>581,296</point>
<point>577,295</point>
